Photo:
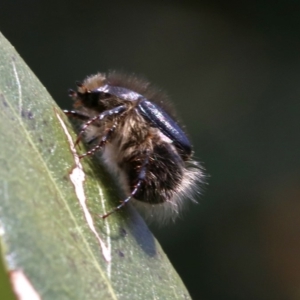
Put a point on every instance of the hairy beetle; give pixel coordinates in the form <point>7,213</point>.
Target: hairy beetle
<point>141,143</point>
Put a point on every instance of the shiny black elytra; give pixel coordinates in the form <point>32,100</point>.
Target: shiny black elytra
<point>140,141</point>
<point>160,119</point>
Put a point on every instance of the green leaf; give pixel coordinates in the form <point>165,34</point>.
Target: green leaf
<point>51,233</point>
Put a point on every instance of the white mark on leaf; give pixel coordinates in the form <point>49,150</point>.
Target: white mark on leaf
<point>19,87</point>
<point>22,286</point>
<point>77,177</point>
<point>108,239</point>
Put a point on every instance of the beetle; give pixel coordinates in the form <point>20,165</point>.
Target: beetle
<point>126,118</point>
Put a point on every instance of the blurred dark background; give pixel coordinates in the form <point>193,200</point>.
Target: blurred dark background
<point>232,69</point>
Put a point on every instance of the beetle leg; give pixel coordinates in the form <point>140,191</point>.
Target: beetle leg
<point>113,111</point>
<point>77,114</point>
<point>141,178</point>
<point>102,142</point>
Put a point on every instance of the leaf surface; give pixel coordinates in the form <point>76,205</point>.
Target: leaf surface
<point>50,203</point>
